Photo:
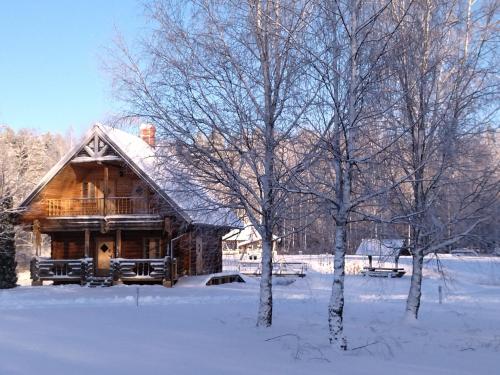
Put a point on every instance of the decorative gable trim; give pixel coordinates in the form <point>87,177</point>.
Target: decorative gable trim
<point>97,149</point>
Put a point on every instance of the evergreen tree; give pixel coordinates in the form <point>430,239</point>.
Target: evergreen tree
<point>8,276</point>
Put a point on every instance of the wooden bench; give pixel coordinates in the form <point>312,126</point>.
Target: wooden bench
<point>383,272</point>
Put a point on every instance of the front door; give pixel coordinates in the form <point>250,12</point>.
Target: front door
<point>105,250</point>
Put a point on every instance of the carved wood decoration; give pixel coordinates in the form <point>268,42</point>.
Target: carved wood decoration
<point>96,150</point>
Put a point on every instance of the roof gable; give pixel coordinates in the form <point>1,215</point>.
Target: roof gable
<point>95,149</point>
<point>102,143</point>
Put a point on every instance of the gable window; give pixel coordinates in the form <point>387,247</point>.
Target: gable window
<point>88,189</point>
<point>152,248</point>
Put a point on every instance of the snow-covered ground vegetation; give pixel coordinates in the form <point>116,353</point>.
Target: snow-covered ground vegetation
<point>196,329</point>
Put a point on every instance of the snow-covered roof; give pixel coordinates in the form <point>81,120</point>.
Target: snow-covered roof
<point>244,236</point>
<point>238,235</point>
<point>381,248</point>
<point>191,201</point>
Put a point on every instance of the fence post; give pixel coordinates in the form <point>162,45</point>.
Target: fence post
<point>116,272</point>
<point>168,278</point>
<point>35,272</point>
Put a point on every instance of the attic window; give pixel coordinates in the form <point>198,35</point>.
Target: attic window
<point>88,189</point>
<point>139,190</point>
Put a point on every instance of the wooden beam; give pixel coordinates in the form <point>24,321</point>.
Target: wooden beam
<point>103,150</point>
<point>89,151</point>
<point>118,243</point>
<point>96,143</point>
<point>87,243</point>
<point>106,184</point>
<point>97,159</point>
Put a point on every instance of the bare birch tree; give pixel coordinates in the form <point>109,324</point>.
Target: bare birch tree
<point>224,82</point>
<point>443,68</point>
<point>348,48</point>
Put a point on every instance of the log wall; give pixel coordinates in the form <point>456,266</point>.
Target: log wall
<point>185,251</point>
<point>133,243</point>
<point>68,245</point>
<point>212,251</point>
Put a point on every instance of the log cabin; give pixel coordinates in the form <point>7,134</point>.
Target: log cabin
<point>114,216</point>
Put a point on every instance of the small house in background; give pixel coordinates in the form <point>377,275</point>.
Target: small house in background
<point>383,251</point>
<point>115,214</point>
<point>246,242</point>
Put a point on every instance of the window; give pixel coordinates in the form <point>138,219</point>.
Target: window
<point>88,189</point>
<point>152,248</point>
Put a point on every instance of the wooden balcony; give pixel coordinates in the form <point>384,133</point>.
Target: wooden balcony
<point>99,207</point>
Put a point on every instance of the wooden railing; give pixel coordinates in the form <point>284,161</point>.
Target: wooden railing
<point>144,269</point>
<point>129,206</point>
<point>162,269</point>
<point>279,268</point>
<point>99,206</point>
<point>70,270</point>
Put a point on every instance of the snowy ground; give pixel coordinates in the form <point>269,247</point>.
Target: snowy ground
<point>192,329</point>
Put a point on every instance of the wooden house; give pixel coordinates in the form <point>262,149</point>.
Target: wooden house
<point>247,243</point>
<point>114,216</point>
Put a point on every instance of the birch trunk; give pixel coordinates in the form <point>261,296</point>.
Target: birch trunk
<point>336,305</point>
<point>413,300</point>
<point>265,314</point>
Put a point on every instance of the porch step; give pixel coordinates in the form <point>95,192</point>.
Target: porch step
<point>95,281</point>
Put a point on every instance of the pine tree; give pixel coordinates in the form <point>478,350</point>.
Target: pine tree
<point>8,276</point>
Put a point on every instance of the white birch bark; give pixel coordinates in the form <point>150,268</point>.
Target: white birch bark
<point>336,305</point>
<point>415,292</point>
<point>265,313</point>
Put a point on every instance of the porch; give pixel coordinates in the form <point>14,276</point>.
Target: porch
<point>121,270</point>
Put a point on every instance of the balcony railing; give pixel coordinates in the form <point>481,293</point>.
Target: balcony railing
<point>99,206</point>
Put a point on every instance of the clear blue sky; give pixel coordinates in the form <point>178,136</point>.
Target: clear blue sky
<point>50,70</point>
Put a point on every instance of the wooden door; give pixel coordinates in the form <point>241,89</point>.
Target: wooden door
<point>199,255</point>
<point>105,251</point>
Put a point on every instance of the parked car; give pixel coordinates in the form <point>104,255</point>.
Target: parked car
<point>465,252</point>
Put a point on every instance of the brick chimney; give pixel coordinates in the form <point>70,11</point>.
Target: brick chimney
<point>147,134</point>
